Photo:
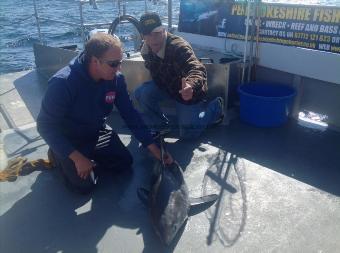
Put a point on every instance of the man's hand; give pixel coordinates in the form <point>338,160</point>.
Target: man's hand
<point>186,91</point>
<point>154,149</point>
<point>83,165</point>
<point>168,158</point>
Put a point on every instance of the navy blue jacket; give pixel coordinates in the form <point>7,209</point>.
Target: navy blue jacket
<point>75,107</point>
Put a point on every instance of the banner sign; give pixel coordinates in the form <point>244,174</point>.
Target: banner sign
<point>313,27</point>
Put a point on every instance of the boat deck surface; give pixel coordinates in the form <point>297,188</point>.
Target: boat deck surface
<point>278,189</point>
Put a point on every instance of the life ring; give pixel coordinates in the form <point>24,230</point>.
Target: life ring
<point>117,21</point>
<point>134,22</point>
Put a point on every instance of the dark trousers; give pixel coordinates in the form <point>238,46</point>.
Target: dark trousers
<point>109,153</point>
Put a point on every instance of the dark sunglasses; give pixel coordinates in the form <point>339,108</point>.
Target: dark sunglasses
<point>113,64</point>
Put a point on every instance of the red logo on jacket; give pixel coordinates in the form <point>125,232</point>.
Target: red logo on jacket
<point>110,97</point>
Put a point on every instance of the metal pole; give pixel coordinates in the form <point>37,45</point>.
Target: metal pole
<point>258,25</point>
<point>124,8</point>
<point>251,53</point>
<point>118,4</point>
<point>145,6</point>
<point>82,27</point>
<point>169,15</point>
<point>245,42</point>
<point>37,18</point>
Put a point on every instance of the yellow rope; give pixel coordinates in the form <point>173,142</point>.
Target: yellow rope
<point>19,166</point>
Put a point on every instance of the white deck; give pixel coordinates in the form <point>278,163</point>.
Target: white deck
<point>278,190</point>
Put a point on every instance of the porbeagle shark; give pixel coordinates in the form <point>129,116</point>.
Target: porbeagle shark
<point>168,199</point>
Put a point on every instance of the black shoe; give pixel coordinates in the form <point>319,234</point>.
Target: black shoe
<point>220,119</point>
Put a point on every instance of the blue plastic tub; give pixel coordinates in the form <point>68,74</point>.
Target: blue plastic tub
<point>265,104</point>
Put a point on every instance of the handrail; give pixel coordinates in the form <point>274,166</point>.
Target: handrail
<point>98,24</point>
<point>81,23</point>
<point>58,21</point>
<point>37,18</point>
<point>21,20</point>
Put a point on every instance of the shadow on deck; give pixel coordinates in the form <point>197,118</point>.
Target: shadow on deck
<point>278,191</point>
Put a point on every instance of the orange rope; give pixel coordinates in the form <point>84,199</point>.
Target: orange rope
<point>19,166</point>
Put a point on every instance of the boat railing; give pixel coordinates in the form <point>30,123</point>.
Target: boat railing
<point>121,6</point>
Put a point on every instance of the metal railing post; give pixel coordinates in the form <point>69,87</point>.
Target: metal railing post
<point>169,15</point>
<point>82,27</point>
<point>252,32</point>
<point>246,42</point>
<point>124,8</point>
<point>118,5</point>
<point>145,6</point>
<point>37,19</point>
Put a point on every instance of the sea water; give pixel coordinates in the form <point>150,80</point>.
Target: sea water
<point>19,30</point>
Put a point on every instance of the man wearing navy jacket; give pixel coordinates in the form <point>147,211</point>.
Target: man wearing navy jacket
<point>73,112</point>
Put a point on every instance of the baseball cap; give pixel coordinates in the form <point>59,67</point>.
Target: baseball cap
<point>150,22</point>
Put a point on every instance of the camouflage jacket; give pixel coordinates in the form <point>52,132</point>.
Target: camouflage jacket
<point>179,61</point>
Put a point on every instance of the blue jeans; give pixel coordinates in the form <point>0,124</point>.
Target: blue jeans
<point>192,119</point>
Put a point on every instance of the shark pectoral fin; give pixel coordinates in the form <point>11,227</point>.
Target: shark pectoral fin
<point>200,204</point>
<point>143,195</point>
<point>203,200</point>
